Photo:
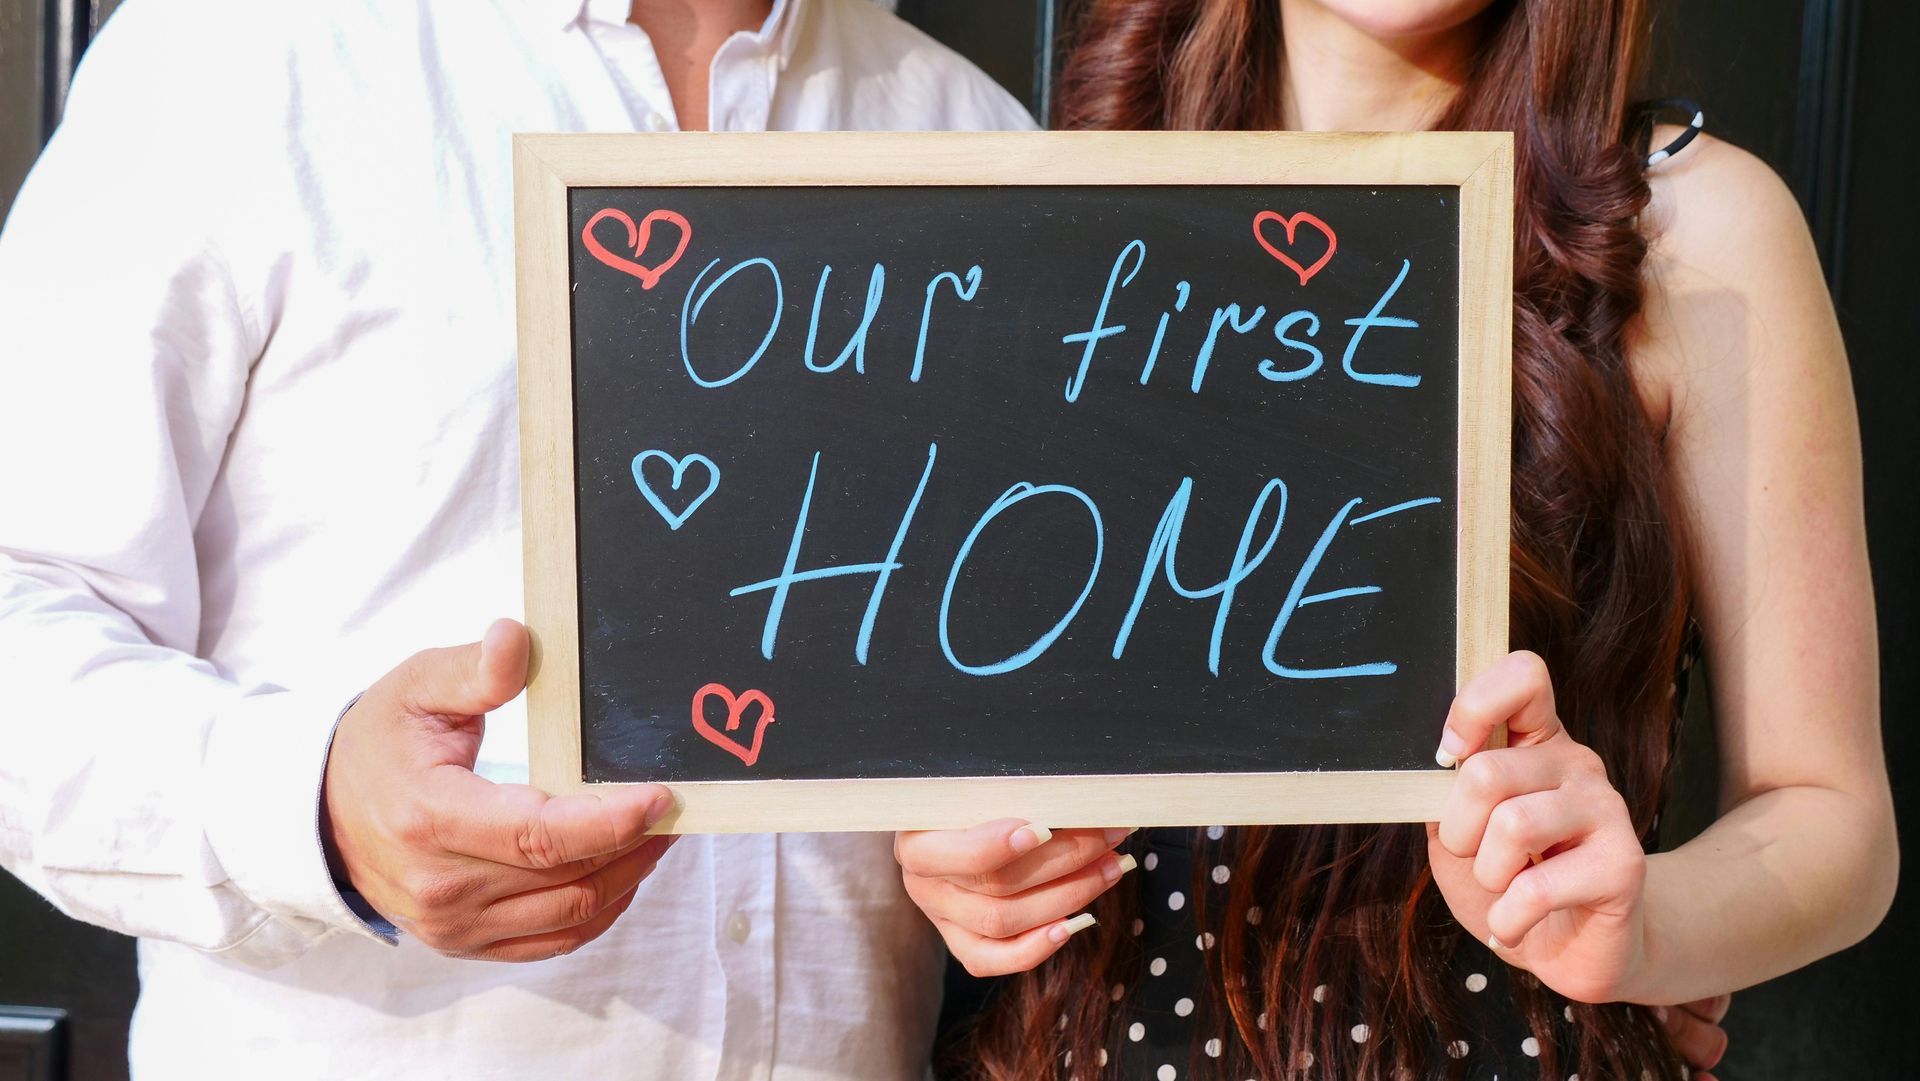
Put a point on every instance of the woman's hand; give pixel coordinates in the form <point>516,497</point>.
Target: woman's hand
<point>1005,895</point>
<point>1694,1030</point>
<point>1534,850</point>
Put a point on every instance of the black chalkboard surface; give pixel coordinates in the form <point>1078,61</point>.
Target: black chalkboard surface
<point>1070,479</point>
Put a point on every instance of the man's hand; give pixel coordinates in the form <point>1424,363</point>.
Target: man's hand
<point>469,867</point>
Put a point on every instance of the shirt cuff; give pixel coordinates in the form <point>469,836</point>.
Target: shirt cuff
<point>266,763</point>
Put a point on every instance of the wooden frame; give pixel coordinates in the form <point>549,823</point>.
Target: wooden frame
<point>545,166</point>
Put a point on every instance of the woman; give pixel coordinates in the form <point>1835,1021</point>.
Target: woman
<point>1686,475</point>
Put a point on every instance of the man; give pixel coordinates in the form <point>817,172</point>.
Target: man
<point>259,440</point>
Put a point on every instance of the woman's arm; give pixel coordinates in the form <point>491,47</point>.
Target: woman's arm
<point>1740,341</point>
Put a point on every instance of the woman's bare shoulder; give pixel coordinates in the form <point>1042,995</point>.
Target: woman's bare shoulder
<point>1732,276</point>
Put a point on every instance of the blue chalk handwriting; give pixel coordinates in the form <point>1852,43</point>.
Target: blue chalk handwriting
<point>690,311</point>
<point>1375,319</point>
<point>1163,549</point>
<point>1184,290</point>
<point>1287,322</point>
<point>1137,250</point>
<point>965,293</point>
<point>679,466</point>
<point>1227,316</point>
<point>1016,494</point>
<point>856,346</point>
<point>790,575</point>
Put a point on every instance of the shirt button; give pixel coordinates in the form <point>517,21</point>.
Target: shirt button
<point>739,927</point>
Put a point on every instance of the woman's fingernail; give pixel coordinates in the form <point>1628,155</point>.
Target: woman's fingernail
<point>1116,867</point>
<point>1446,760</point>
<point>1493,943</point>
<point>1452,748</point>
<point>1115,836</point>
<point>1066,929</point>
<point>1029,837</point>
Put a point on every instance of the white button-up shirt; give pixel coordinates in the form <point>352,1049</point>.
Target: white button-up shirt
<point>258,444</point>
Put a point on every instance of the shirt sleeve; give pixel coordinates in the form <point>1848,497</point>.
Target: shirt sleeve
<point>141,788</point>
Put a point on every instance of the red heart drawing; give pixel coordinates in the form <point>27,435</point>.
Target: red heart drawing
<point>735,707</point>
<point>1306,273</point>
<point>637,237</point>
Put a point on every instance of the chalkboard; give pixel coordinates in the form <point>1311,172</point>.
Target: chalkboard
<point>901,481</point>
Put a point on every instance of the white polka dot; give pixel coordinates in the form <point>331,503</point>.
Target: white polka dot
<point>1530,1047</point>
<point>1176,900</point>
<point>1152,861</point>
<point>1136,1032</point>
<point>1213,1048</point>
<point>1139,926</point>
<point>1221,874</point>
<point>1183,1007</point>
<point>1067,1059</point>
<point>1253,915</point>
<point>1214,833</point>
<point>1320,993</point>
<point>1260,1022</point>
<point>1166,1072</point>
<point>1568,1014</point>
<point>1476,982</point>
<point>1360,1033</point>
<point>1158,966</point>
<point>1063,1022</point>
<point>1306,1060</point>
<point>1204,940</point>
<point>1103,1056</point>
<point>1119,990</point>
<point>1457,1049</point>
<point>1573,1077</point>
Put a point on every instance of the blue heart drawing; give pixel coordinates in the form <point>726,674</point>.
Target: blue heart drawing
<point>679,466</point>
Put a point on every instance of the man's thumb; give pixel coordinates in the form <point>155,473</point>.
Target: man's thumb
<point>468,680</point>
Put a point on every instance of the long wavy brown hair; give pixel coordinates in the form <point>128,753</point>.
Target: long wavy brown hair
<point>1600,589</point>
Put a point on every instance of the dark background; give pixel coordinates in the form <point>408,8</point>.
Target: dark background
<point>1824,90</point>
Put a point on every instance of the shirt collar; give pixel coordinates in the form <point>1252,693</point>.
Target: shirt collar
<point>780,31</point>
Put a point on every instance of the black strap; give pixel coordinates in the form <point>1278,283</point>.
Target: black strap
<point>1697,120</point>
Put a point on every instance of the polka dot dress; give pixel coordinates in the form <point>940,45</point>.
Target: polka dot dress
<point>1169,1032</point>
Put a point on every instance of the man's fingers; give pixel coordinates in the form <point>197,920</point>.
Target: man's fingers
<point>567,904</point>
<point>1008,917</point>
<point>469,680</point>
<point>521,826</point>
<point>1004,956</point>
<point>1516,692</point>
<point>1700,1042</point>
<point>551,944</point>
<point>977,851</point>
